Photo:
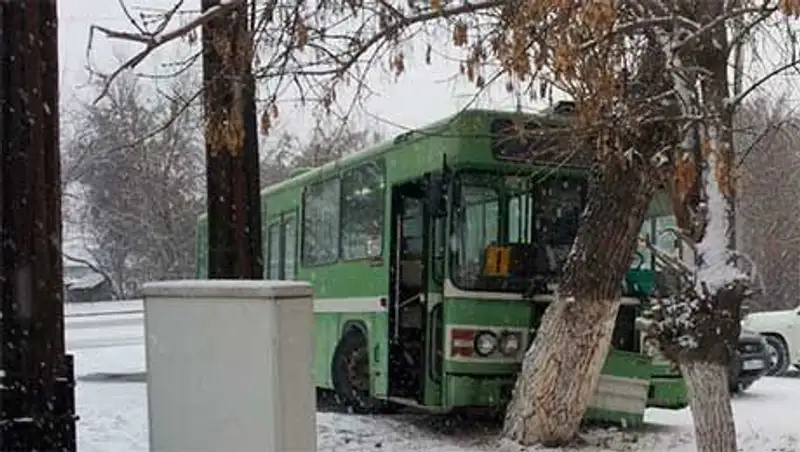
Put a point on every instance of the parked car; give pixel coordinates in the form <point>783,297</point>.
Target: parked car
<point>781,329</point>
<point>750,362</point>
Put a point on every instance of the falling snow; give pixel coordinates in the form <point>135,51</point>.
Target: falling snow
<point>114,414</point>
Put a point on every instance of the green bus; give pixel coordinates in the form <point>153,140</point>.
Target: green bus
<point>433,257</point>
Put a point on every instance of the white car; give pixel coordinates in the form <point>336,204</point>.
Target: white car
<point>782,332</point>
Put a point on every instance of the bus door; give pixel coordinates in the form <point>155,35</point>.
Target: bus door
<point>408,292</point>
<point>436,251</point>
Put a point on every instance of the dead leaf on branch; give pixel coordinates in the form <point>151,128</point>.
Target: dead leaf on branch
<point>398,64</point>
<point>265,123</point>
<point>460,34</point>
<point>790,7</point>
<point>301,35</point>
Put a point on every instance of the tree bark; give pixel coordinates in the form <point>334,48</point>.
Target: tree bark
<point>561,370</point>
<point>234,207</point>
<point>705,345</point>
<point>37,410</point>
<point>709,395</point>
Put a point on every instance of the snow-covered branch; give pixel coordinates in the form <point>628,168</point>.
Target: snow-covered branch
<point>717,267</point>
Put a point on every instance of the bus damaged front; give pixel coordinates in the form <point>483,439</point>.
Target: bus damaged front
<point>499,281</point>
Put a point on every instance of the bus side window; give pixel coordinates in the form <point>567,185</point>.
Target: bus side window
<point>321,214</point>
<point>362,210</point>
<point>274,263</point>
<point>289,247</point>
<point>519,219</point>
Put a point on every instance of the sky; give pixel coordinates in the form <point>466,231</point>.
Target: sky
<point>422,95</point>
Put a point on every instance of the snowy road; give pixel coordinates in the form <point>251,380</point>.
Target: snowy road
<point>114,413</point>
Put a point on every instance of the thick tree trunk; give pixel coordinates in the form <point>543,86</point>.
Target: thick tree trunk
<point>714,428</point>
<point>702,330</point>
<point>234,214</point>
<point>561,370</point>
<point>37,409</point>
<point>547,408</point>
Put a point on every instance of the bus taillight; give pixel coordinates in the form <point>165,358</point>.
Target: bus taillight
<point>462,342</point>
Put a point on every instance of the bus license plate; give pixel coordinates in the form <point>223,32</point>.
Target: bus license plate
<point>753,364</point>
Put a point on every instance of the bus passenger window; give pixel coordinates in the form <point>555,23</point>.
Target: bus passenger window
<point>321,223</point>
<point>558,205</point>
<point>477,225</point>
<point>289,248</point>
<point>362,210</point>
<point>519,218</point>
<point>274,263</point>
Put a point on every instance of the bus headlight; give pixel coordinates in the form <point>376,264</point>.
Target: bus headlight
<point>485,343</point>
<point>510,344</point>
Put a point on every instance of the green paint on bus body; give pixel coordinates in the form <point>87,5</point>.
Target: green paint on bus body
<point>354,293</point>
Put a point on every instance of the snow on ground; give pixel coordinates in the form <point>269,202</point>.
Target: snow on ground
<point>114,412</point>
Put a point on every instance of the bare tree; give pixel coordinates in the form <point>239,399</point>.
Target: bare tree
<point>768,139</point>
<point>327,142</point>
<point>142,192</point>
<point>654,103</point>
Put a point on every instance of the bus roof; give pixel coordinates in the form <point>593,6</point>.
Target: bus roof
<point>438,128</point>
<point>551,115</point>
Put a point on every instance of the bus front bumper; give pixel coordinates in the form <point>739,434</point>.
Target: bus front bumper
<point>463,391</point>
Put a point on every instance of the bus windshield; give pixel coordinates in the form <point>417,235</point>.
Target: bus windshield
<point>496,209</point>
<point>655,231</point>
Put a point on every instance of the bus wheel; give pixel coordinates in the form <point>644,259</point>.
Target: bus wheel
<point>350,372</point>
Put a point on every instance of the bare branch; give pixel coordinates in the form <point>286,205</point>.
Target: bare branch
<point>736,101</point>
<point>400,24</point>
<point>127,13</point>
<point>153,41</point>
<point>766,131</point>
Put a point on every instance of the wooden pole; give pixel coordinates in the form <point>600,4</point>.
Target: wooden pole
<point>38,406</point>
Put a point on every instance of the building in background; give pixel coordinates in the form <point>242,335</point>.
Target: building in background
<point>82,281</point>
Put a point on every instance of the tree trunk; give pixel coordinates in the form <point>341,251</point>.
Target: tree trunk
<point>546,409</point>
<point>709,395</point>
<point>561,370</point>
<point>702,330</point>
<point>234,214</point>
<point>37,410</point>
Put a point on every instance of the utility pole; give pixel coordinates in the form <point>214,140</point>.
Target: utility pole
<point>234,207</point>
<point>37,404</point>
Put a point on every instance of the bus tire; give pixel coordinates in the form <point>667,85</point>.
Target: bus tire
<point>351,375</point>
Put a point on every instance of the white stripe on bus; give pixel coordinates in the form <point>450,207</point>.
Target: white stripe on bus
<point>373,304</point>
<point>451,291</point>
<point>353,304</point>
